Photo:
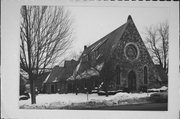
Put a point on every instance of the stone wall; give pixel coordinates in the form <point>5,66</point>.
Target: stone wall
<point>135,58</point>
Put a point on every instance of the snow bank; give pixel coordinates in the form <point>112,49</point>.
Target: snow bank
<point>123,98</point>
<point>56,101</point>
<point>163,88</point>
<point>52,99</point>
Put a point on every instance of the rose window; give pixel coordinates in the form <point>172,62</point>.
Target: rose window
<point>131,51</point>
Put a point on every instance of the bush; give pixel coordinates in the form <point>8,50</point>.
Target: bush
<point>101,93</point>
<point>109,92</point>
<point>126,90</point>
<point>143,88</point>
<point>159,97</point>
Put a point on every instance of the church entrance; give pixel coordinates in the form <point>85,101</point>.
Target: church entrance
<point>132,81</point>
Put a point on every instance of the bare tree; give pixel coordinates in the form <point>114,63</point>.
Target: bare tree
<point>45,34</point>
<point>157,38</point>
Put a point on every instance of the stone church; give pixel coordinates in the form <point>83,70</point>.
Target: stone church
<point>118,61</point>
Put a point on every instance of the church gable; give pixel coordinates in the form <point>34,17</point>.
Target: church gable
<point>125,60</point>
<point>130,53</point>
<point>118,61</point>
<point>100,51</point>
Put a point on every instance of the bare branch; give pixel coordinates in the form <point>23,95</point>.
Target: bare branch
<point>157,42</point>
<point>45,35</point>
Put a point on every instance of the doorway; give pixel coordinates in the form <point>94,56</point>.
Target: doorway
<point>52,88</point>
<point>132,81</point>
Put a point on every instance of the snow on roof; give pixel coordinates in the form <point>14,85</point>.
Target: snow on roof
<point>70,78</point>
<point>78,77</point>
<point>88,73</point>
<point>75,72</point>
<point>163,88</point>
<point>77,68</point>
<point>99,44</point>
<point>98,56</point>
<point>100,66</point>
<point>55,80</point>
<point>92,72</point>
<point>46,78</point>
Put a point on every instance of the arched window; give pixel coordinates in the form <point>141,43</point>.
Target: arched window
<point>52,88</point>
<point>131,51</point>
<point>118,74</point>
<point>145,75</point>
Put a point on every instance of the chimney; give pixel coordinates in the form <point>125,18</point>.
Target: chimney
<point>85,47</point>
<point>129,18</point>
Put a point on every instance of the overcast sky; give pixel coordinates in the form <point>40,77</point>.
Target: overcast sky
<point>90,23</point>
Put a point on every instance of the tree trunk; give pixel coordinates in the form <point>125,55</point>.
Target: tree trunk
<point>76,86</point>
<point>165,67</point>
<point>33,96</point>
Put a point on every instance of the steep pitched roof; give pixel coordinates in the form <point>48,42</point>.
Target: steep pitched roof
<point>106,41</point>
<point>104,46</point>
<point>39,81</point>
<point>69,69</point>
<point>61,73</point>
<point>52,77</point>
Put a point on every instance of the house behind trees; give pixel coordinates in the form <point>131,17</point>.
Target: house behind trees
<point>56,82</point>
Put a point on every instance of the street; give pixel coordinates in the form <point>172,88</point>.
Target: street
<point>141,107</point>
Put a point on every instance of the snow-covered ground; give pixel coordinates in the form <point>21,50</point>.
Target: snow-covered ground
<point>55,101</point>
<point>163,88</point>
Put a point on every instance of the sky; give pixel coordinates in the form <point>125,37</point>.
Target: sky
<point>92,23</point>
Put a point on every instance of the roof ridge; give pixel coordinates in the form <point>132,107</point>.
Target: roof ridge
<point>103,39</point>
<point>107,35</point>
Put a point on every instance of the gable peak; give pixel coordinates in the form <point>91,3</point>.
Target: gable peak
<point>129,18</point>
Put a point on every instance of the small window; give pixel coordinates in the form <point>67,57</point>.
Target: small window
<point>118,73</point>
<point>145,75</point>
